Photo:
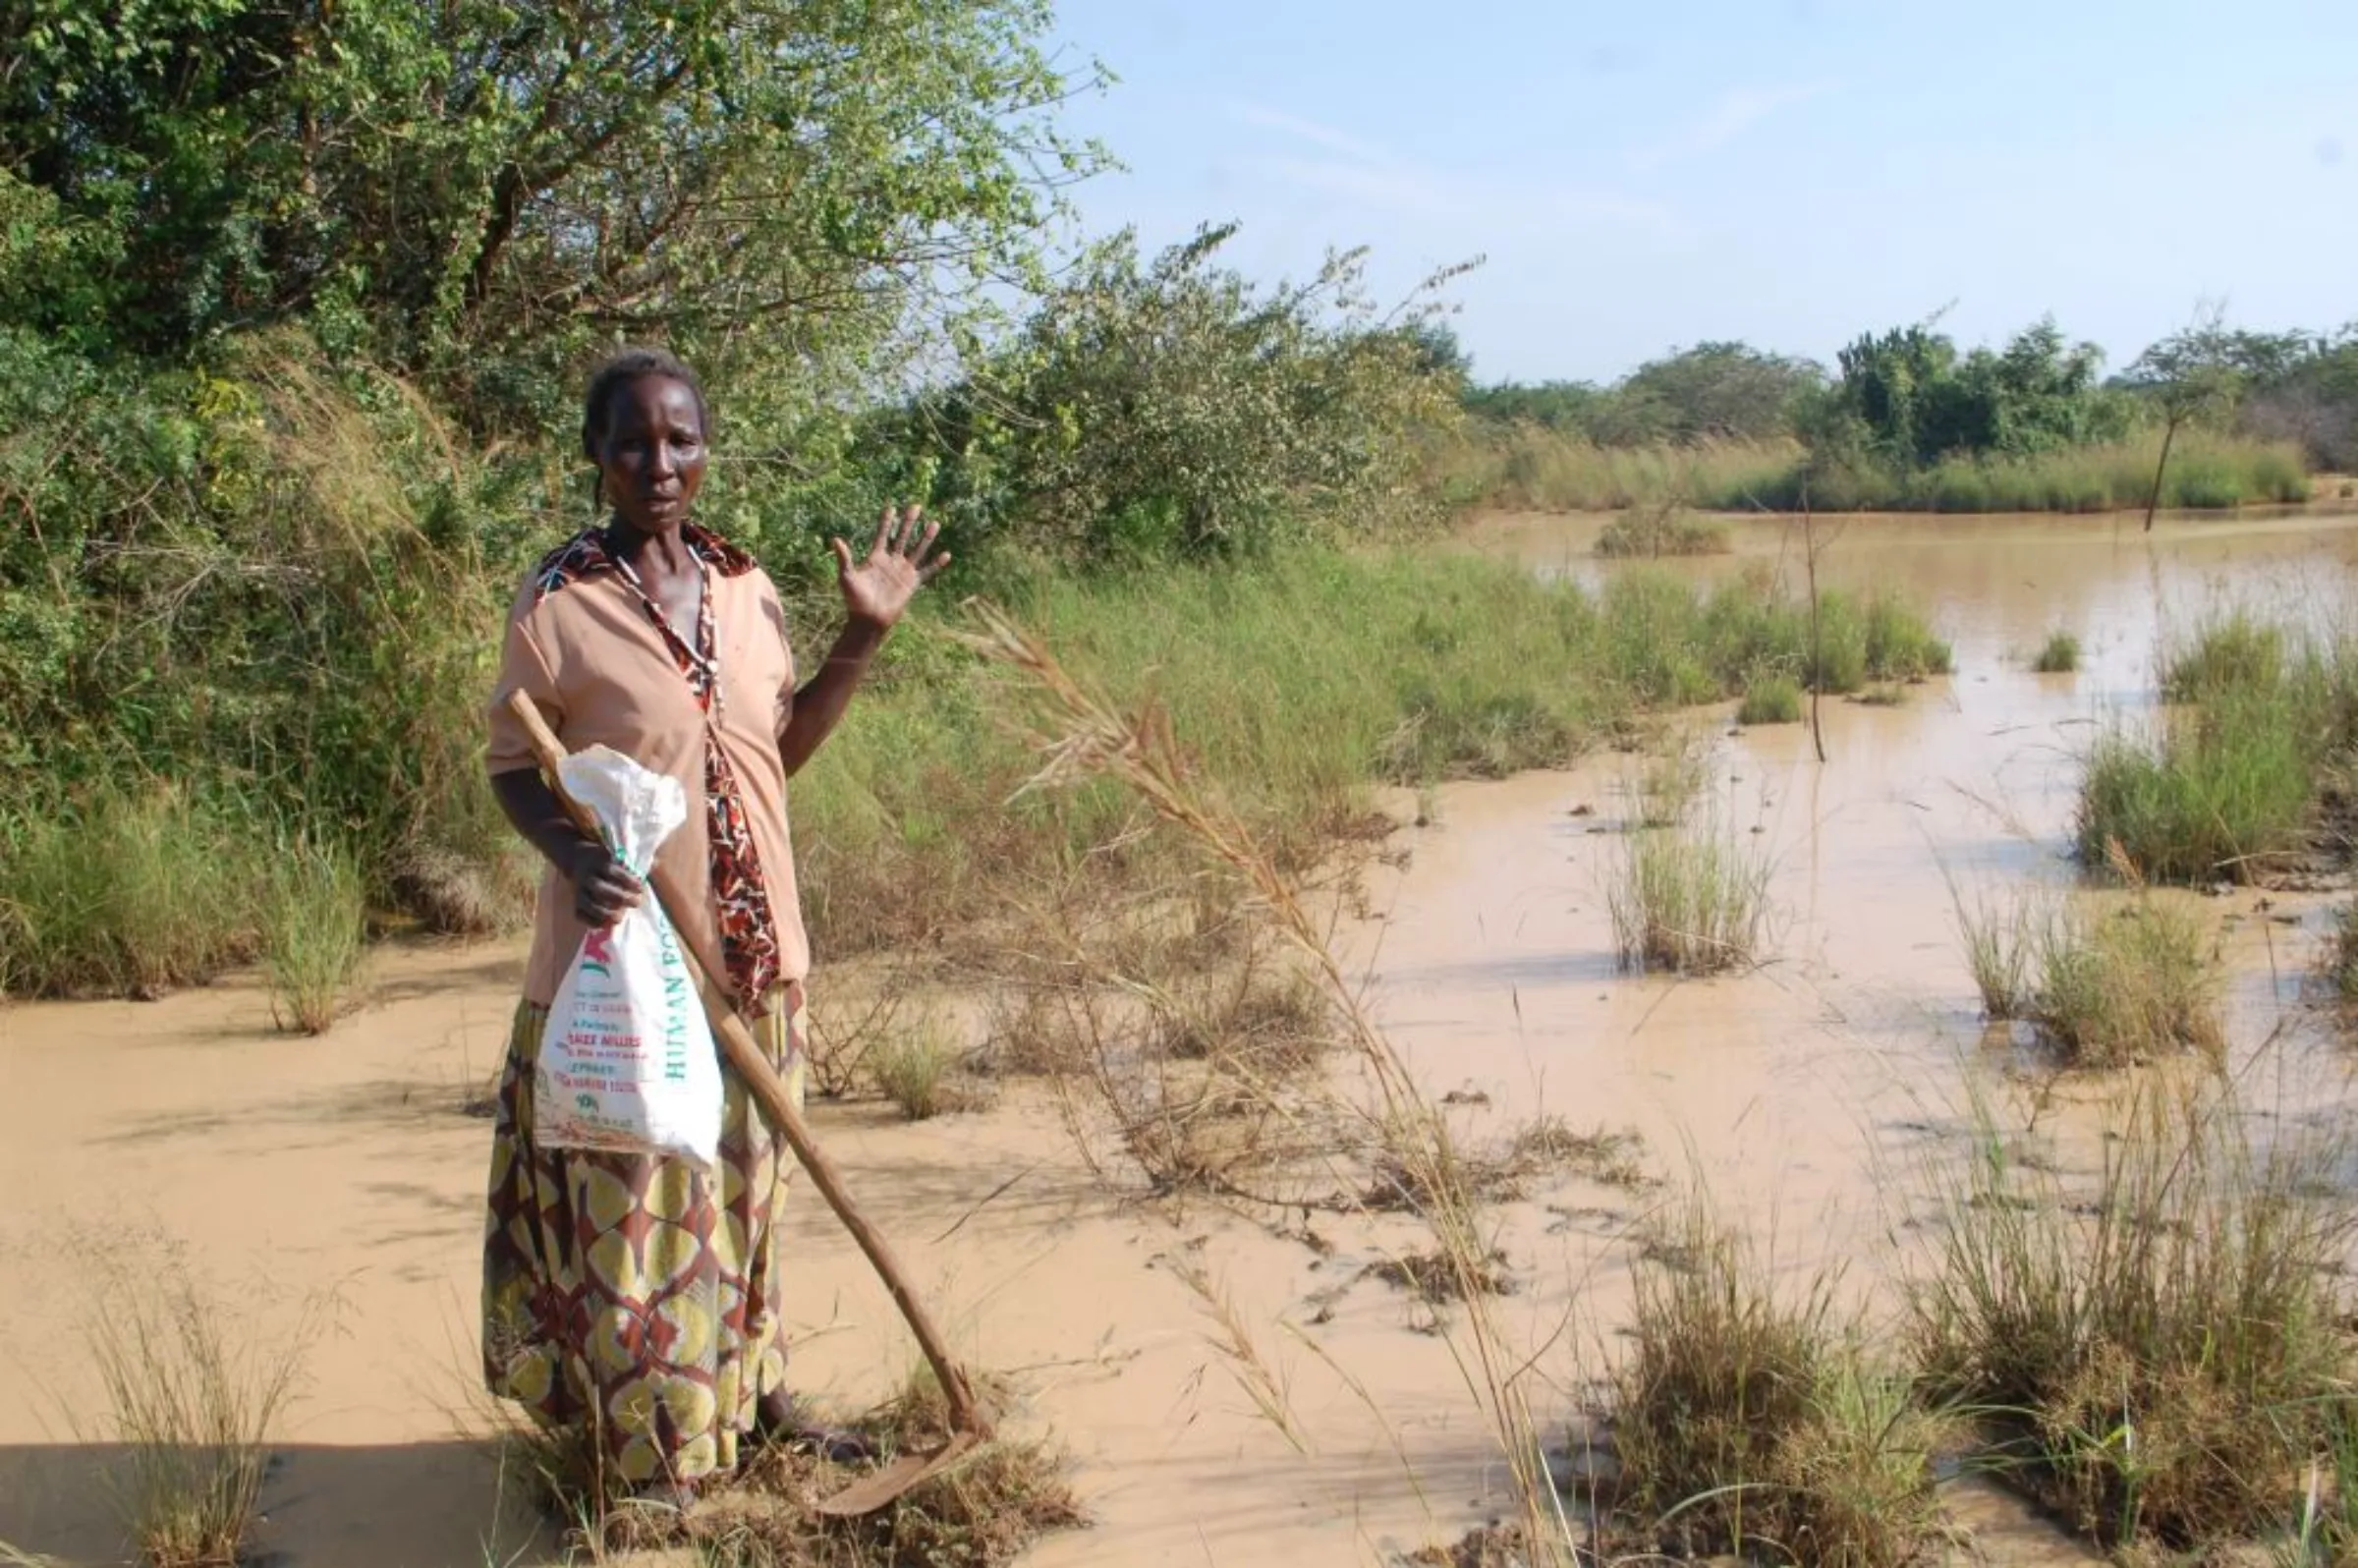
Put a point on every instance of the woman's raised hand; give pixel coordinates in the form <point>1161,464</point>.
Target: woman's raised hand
<point>879,589</point>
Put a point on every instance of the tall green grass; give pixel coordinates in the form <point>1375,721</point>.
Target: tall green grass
<point>2105,987</point>
<point>2205,472</point>
<point>1770,699</point>
<point>315,932</point>
<point>1531,468</point>
<point>138,893</point>
<point>1297,683</point>
<point>2227,785</point>
<point>2131,985</point>
<point>126,894</point>
<point>1688,900</point>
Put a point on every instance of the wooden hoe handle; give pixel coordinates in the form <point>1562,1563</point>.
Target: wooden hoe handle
<point>769,1092</point>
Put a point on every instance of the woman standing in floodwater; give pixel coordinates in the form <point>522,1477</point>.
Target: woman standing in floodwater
<point>636,1295</point>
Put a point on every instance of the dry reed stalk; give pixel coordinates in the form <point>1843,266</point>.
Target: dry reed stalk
<point>1080,735</point>
<point>1266,1386</point>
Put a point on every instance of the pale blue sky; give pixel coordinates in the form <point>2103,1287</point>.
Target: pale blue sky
<point>1789,172</point>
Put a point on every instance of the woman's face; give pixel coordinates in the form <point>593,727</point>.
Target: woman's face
<point>653,456</point>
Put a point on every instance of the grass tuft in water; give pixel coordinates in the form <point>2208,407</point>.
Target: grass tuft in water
<point>2135,984</point>
<point>1770,699</point>
<point>1747,1420</point>
<point>1666,785</point>
<point>2235,653</point>
<point>2230,784</point>
<point>2223,792</point>
<point>1661,530</point>
<point>1690,900</point>
<point>913,1068</point>
<point>2059,655</point>
<point>2157,1349</point>
<point>2000,935</point>
<point>193,1394</point>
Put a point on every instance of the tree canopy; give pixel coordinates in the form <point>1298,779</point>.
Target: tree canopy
<point>486,190</point>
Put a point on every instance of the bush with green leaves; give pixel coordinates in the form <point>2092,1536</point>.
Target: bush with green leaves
<point>1158,409</point>
<point>488,192</point>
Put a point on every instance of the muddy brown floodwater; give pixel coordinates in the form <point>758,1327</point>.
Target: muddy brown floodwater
<point>1804,1093</point>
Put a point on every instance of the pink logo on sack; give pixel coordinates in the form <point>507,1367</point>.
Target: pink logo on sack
<point>597,953</point>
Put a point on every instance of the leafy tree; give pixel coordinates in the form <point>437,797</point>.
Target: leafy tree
<point>1717,391</point>
<point>2302,387</point>
<point>1909,398</point>
<point>1570,407</point>
<point>488,188</point>
<point>2191,374</point>
<point>1890,388</point>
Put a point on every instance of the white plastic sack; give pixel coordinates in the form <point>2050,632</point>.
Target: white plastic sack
<point>627,1063</point>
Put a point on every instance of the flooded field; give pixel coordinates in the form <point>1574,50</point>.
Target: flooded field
<point>1807,1093</point>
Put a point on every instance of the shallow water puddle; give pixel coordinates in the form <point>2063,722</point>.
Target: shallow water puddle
<point>1807,1093</point>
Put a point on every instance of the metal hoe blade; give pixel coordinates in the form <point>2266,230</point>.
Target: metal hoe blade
<point>882,1488</point>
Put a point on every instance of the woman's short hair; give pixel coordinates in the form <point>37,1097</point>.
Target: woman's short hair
<point>627,366</point>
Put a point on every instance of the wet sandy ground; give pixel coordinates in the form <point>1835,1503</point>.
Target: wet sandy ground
<point>1806,1094</point>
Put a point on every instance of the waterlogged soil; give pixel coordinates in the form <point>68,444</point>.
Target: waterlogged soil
<point>1810,1094</point>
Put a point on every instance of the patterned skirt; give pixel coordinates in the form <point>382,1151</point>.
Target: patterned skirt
<point>633,1293</point>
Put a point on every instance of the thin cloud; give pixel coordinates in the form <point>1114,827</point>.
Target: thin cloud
<point>1310,131</point>
<point>1735,114</point>
<point>1475,202</point>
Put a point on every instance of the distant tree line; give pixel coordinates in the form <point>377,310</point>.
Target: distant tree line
<point>1911,398</point>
